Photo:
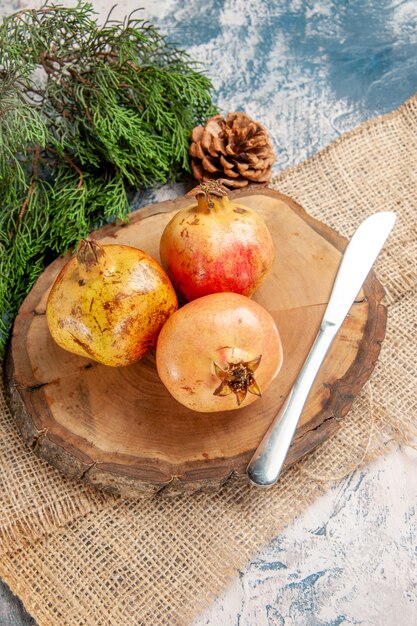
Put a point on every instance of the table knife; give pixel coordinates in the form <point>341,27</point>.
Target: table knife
<point>358,258</point>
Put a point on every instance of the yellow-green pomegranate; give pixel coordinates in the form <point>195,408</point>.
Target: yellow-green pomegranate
<point>109,303</point>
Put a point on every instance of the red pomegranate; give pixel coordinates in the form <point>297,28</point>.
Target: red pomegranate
<point>216,245</point>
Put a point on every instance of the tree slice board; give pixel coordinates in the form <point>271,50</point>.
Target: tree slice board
<point>120,430</point>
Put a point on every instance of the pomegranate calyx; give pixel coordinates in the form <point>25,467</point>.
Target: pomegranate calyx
<point>211,195</point>
<point>212,188</point>
<point>237,378</point>
<point>89,251</point>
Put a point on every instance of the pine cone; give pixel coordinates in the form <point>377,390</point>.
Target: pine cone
<point>235,150</point>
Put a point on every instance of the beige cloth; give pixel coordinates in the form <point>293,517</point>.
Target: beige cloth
<point>77,557</point>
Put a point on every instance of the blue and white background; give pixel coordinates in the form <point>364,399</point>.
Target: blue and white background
<point>308,70</point>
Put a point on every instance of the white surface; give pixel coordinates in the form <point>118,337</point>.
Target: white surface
<point>351,557</point>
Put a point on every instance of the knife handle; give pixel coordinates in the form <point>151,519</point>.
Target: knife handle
<point>265,465</point>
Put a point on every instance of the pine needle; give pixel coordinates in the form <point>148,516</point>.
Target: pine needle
<point>87,113</point>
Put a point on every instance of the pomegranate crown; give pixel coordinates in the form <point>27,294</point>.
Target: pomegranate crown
<point>88,253</point>
<point>210,188</point>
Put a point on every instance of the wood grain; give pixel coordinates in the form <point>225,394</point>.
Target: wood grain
<point>120,430</point>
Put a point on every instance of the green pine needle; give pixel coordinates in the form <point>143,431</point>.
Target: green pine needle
<point>87,112</point>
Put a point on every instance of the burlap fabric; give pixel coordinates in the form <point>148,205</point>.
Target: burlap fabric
<point>77,557</point>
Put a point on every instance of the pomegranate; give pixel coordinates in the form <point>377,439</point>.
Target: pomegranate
<point>218,352</point>
<point>216,245</point>
<point>109,303</point>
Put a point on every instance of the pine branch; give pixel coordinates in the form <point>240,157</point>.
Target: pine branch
<point>87,112</point>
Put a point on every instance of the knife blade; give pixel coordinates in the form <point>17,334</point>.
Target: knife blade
<point>359,256</point>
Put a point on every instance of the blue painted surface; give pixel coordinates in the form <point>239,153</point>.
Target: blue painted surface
<point>307,582</point>
<point>272,566</point>
<point>309,70</point>
<point>361,55</point>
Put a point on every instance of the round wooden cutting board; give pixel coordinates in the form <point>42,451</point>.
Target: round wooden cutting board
<point>120,430</point>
